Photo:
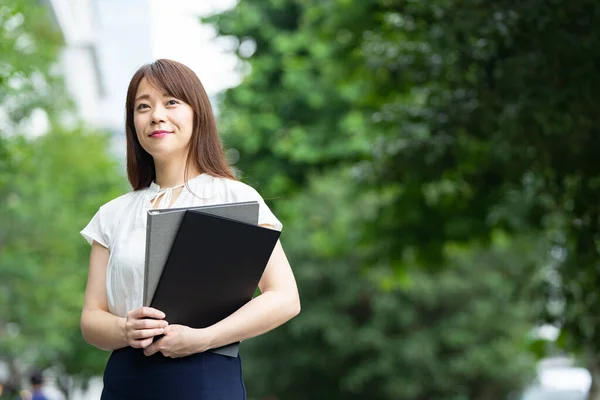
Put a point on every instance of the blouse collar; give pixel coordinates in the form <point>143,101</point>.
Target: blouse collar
<point>155,191</point>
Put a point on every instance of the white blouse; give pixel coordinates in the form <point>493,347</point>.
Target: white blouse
<point>120,226</point>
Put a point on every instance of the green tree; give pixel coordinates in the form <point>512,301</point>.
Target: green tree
<point>29,80</point>
<point>55,186</point>
<point>480,116</point>
<point>503,134</point>
<point>376,333</point>
<point>347,93</point>
<point>50,187</point>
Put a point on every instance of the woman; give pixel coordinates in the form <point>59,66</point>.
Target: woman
<point>174,159</point>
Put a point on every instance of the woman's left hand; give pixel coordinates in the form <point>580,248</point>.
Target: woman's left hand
<point>178,341</point>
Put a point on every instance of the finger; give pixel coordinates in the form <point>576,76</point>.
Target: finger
<point>148,323</point>
<point>147,312</point>
<point>140,344</point>
<point>153,313</point>
<point>147,333</point>
<point>152,349</point>
<point>145,343</point>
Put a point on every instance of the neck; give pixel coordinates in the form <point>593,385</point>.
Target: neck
<point>171,172</point>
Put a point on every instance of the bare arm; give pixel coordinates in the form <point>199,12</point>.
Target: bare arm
<point>104,330</point>
<point>99,327</point>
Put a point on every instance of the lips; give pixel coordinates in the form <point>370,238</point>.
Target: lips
<point>159,134</point>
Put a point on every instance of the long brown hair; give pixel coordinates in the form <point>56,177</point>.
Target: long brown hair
<point>206,150</point>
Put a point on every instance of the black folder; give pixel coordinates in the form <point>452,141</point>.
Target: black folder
<point>213,268</point>
<point>161,230</point>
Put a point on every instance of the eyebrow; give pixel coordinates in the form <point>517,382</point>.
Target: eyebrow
<point>147,96</point>
<point>142,97</point>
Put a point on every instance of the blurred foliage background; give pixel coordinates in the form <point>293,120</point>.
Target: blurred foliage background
<point>49,186</point>
<point>434,164</point>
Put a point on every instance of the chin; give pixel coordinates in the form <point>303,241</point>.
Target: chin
<point>164,153</point>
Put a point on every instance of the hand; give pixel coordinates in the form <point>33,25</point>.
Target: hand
<point>142,325</point>
<point>179,341</point>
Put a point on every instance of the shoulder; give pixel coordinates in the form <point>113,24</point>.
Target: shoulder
<point>223,189</point>
<point>104,222</point>
<point>117,205</point>
<point>240,189</point>
<point>237,191</point>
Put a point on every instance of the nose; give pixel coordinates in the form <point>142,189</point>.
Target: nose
<point>158,114</point>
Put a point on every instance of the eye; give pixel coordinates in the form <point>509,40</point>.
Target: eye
<point>142,106</point>
<point>172,102</point>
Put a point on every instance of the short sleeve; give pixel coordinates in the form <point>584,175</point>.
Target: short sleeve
<point>265,215</point>
<point>95,229</point>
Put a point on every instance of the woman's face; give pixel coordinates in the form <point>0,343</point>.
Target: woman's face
<point>163,124</point>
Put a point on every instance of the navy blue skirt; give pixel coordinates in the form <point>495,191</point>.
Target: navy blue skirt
<point>130,375</point>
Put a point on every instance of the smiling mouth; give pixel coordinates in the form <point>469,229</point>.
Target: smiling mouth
<point>158,134</point>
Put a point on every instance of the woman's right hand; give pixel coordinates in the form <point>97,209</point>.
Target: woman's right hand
<point>142,324</point>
